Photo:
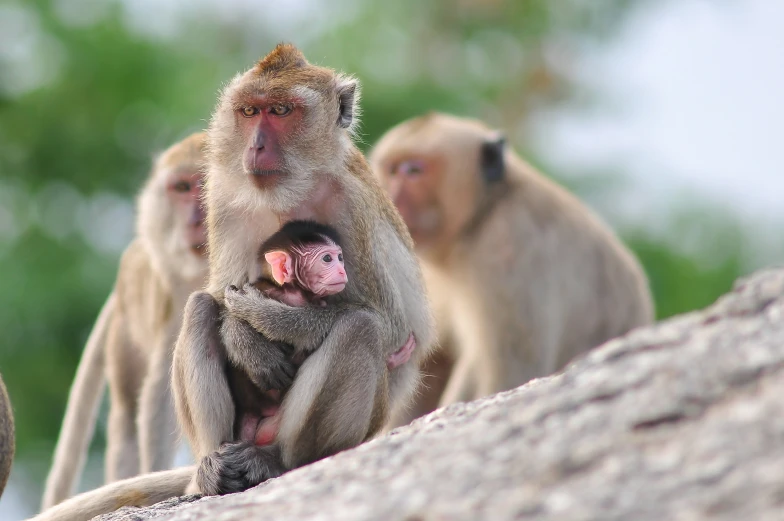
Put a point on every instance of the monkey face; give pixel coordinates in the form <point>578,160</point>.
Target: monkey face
<point>267,124</point>
<point>413,184</point>
<point>183,188</point>
<point>430,167</point>
<point>291,118</point>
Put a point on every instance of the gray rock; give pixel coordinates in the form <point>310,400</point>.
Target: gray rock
<point>679,421</point>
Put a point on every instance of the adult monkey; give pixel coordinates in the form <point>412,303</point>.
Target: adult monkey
<point>133,339</point>
<point>522,275</point>
<point>280,149</point>
<point>294,160</point>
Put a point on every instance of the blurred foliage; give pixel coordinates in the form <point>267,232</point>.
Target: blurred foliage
<point>90,90</point>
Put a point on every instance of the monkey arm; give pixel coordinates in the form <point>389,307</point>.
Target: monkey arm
<point>268,364</point>
<point>158,431</point>
<point>304,327</point>
<point>202,397</point>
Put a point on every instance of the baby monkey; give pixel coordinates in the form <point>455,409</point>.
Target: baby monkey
<point>301,264</point>
<point>305,261</point>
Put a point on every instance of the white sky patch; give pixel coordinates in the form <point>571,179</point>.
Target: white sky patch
<point>699,90</point>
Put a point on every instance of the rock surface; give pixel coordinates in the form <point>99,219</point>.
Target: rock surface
<point>679,421</point>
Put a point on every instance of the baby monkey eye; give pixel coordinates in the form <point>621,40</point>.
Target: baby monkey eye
<point>327,258</point>
<point>249,112</point>
<point>340,257</point>
<point>182,186</point>
<point>280,109</point>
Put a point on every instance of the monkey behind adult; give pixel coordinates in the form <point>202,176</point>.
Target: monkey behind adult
<point>523,277</point>
<point>280,149</point>
<point>133,338</point>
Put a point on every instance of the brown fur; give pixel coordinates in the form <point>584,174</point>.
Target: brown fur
<point>7,439</point>
<point>522,275</point>
<point>134,338</point>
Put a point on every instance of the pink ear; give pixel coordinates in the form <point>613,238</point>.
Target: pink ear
<point>280,261</point>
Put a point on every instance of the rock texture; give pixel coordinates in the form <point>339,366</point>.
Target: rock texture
<point>680,421</point>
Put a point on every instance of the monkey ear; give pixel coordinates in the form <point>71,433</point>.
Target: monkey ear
<point>280,261</point>
<point>491,159</point>
<point>348,101</point>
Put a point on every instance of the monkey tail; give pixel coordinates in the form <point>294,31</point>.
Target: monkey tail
<point>139,491</point>
<point>80,413</point>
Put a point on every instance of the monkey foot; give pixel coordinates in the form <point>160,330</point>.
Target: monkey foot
<point>235,467</point>
<point>402,355</point>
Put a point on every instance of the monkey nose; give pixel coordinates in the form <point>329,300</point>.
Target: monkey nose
<point>259,142</point>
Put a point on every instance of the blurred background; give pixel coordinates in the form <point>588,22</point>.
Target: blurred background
<point>665,116</point>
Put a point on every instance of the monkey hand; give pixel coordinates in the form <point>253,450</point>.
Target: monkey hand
<point>303,327</point>
<point>235,467</point>
<point>402,355</point>
<point>244,302</point>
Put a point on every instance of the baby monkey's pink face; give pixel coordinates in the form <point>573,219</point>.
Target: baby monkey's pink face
<point>318,268</point>
<point>321,269</point>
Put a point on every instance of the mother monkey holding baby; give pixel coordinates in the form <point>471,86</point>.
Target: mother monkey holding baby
<point>280,149</point>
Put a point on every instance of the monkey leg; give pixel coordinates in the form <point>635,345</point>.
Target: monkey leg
<point>124,369</point>
<point>268,364</point>
<point>201,391</point>
<point>340,396</point>
<point>122,444</point>
<point>338,400</point>
<point>157,422</point>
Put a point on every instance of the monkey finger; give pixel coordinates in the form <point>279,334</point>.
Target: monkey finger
<point>250,289</point>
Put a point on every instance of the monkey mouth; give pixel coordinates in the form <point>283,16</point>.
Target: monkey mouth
<point>265,173</point>
<point>330,289</point>
<point>265,178</point>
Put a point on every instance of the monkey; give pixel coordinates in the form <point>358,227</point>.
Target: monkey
<point>279,149</point>
<point>305,261</point>
<point>132,341</point>
<point>302,264</point>
<point>522,276</point>
<point>7,436</point>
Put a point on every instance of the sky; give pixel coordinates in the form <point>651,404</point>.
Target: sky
<point>696,90</point>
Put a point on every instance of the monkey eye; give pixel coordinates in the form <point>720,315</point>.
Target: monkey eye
<point>327,258</point>
<point>340,257</point>
<point>249,112</point>
<point>411,168</point>
<point>280,109</point>
<point>182,186</point>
